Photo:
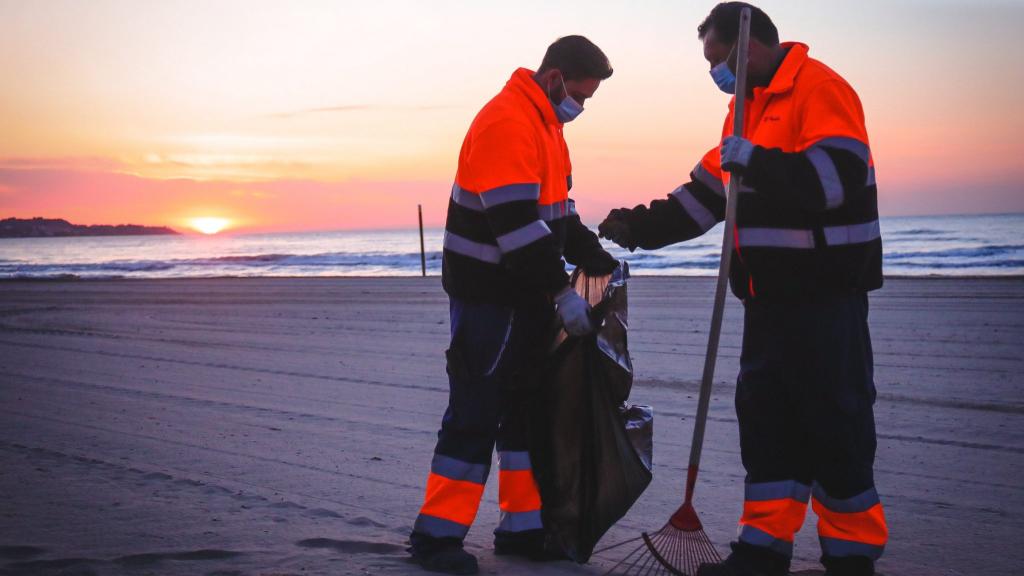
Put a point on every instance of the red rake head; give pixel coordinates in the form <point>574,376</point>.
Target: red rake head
<point>678,549</point>
<point>685,519</point>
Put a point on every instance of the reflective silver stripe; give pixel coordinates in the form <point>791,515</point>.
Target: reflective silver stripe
<point>466,199</point>
<point>849,144</point>
<point>758,537</point>
<point>508,460</point>
<point>853,234</point>
<point>795,238</point>
<point>549,212</point>
<point>439,527</point>
<point>837,547</point>
<point>522,236</point>
<point>700,214</point>
<point>484,252</point>
<point>776,238</point>
<point>520,521</point>
<point>511,193</point>
<point>458,470</point>
<point>831,185</point>
<point>707,179</point>
<point>860,503</point>
<point>792,489</point>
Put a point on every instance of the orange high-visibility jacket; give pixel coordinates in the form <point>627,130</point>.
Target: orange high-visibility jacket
<point>807,214</point>
<point>510,220</point>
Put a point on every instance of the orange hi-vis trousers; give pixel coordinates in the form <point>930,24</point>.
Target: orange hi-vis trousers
<point>489,342</point>
<point>773,513</point>
<point>804,404</point>
<point>450,505</point>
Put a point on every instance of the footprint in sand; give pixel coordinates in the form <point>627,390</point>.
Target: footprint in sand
<point>20,552</point>
<point>351,546</point>
<point>155,557</point>
<point>323,513</point>
<point>43,566</point>
<point>364,521</point>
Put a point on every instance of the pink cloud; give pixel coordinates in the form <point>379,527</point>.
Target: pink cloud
<point>61,163</point>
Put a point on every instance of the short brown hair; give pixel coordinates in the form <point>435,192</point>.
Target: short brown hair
<point>724,19</point>
<point>577,58</point>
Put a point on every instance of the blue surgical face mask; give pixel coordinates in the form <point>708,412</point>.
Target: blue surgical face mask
<point>724,78</point>
<point>568,109</point>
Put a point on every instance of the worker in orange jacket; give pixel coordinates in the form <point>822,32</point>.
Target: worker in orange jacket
<point>808,249</point>
<point>510,224</point>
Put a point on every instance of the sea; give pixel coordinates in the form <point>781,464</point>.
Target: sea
<point>974,245</point>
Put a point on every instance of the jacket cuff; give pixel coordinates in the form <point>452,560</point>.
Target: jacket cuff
<point>600,262</point>
<point>759,160</point>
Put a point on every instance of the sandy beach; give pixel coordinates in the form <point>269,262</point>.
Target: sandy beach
<point>285,426</point>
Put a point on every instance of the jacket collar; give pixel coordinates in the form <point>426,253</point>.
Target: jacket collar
<point>784,77</point>
<point>523,83</point>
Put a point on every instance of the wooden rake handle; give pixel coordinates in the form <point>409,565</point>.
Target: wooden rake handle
<point>723,269</point>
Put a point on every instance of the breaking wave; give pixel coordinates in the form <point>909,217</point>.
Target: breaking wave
<point>919,246</point>
<point>242,265</point>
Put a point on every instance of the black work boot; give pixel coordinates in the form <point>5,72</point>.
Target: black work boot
<point>748,560</point>
<point>443,555</point>
<point>717,570</point>
<point>848,565</point>
<point>447,560</point>
<point>726,569</point>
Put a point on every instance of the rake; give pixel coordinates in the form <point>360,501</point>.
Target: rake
<point>681,545</point>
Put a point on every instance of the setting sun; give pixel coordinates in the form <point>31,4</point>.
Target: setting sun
<point>209,224</point>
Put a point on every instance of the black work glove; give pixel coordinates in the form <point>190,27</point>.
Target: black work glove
<point>616,229</point>
<point>599,264</point>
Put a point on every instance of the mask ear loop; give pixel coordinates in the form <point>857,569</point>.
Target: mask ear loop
<point>564,89</point>
<point>730,62</point>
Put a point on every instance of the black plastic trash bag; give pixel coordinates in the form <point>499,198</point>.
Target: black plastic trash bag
<point>591,452</point>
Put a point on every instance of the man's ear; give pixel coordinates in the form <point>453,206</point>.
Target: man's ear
<point>551,76</point>
<point>756,51</point>
<point>549,80</point>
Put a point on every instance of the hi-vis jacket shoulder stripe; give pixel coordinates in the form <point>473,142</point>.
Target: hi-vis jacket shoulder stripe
<point>510,220</point>
<point>807,216</point>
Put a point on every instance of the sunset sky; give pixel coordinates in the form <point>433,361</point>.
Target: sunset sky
<point>315,115</point>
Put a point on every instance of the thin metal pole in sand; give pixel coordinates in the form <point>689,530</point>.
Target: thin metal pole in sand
<point>423,251</point>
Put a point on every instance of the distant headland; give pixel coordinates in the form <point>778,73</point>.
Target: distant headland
<point>52,227</point>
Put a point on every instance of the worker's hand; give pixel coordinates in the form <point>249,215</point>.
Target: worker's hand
<point>574,312</point>
<point>616,229</point>
<point>736,153</point>
<point>599,263</point>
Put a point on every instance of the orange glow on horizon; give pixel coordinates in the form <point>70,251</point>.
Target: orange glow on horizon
<point>316,131</point>
<point>209,224</point>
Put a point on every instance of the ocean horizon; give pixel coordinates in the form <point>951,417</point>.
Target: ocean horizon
<point>956,246</point>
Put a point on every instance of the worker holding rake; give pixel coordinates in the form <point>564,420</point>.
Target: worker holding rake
<point>804,252</point>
